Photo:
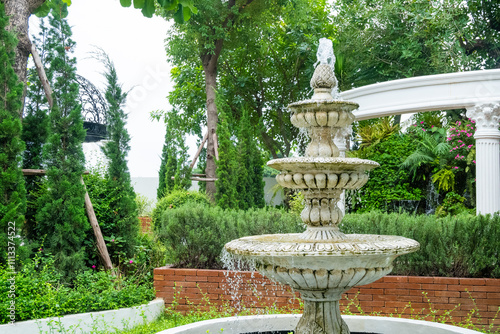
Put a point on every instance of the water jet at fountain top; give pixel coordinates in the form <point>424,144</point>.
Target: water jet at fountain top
<point>322,262</point>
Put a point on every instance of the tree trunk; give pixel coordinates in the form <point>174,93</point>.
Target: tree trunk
<point>212,119</point>
<point>20,12</point>
<point>209,61</point>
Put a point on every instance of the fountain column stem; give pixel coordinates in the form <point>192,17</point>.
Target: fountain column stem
<point>321,318</point>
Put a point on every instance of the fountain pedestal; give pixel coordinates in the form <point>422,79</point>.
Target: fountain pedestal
<point>322,263</point>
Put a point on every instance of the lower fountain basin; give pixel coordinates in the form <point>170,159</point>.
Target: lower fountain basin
<point>287,322</point>
<point>292,250</point>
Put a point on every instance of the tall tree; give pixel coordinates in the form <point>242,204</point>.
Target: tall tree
<point>201,41</point>
<point>168,162</point>
<point>61,217</point>
<point>19,12</point>
<point>35,127</point>
<point>175,172</point>
<point>249,168</point>
<point>227,180</point>
<point>266,64</point>
<point>386,40</point>
<point>125,221</point>
<point>12,191</point>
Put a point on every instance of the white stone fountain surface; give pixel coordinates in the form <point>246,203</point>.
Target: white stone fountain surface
<point>322,263</point>
<point>287,322</point>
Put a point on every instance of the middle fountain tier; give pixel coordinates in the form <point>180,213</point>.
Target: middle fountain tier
<point>322,262</point>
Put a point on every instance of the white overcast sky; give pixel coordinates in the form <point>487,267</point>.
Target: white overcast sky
<point>136,46</point>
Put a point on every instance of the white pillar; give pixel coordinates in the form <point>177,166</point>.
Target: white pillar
<point>487,117</point>
<point>340,142</point>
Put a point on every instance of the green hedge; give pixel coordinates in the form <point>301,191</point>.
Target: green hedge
<point>195,234</point>
<point>40,292</point>
<point>452,246</point>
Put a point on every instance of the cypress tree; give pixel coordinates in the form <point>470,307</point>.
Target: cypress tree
<point>225,195</point>
<point>182,178</point>
<point>256,176</point>
<point>168,161</point>
<point>244,166</point>
<point>174,171</point>
<point>125,221</point>
<point>250,185</point>
<point>61,215</point>
<point>12,191</point>
<point>35,126</point>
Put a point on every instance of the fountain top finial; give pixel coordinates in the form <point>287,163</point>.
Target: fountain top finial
<point>323,79</point>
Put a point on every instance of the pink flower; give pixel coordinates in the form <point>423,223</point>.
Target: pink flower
<point>423,129</point>
<point>469,134</point>
<point>414,124</point>
<point>459,141</point>
<point>459,123</point>
<point>455,167</point>
<point>93,266</point>
<point>474,161</point>
<point>422,122</point>
<point>432,126</point>
<point>470,146</point>
<point>473,122</point>
<point>112,240</point>
<point>130,261</point>
<point>462,145</point>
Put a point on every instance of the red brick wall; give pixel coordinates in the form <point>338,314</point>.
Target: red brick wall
<point>145,224</point>
<point>188,289</point>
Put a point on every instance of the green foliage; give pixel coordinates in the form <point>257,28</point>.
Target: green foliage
<point>12,189</point>
<point>175,200</point>
<point>386,40</point>
<point>297,203</point>
<point>175,173</point>
<point>372,134</point>
<point>61,215</point>
<point>35,131</point>
<point>119,188</point>
<point>453,246</point>
<point>144,205</point>
<point>431,154</point>
<point>389,182</point>
<point>462,142</point>
<point>181,10</point>
<point>453,204</point>
<point>227,179</point>
<point>57,7</point>
<point>266,63</point>
<point>195,234</point>
<point>41,293</point>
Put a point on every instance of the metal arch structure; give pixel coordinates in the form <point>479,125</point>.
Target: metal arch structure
<point>94,110</point>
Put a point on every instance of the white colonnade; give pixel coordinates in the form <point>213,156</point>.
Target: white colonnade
<point>476,91</point>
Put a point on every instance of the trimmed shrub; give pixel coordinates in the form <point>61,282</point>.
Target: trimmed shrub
<point>176,199</point>
<point>195,234</point>
<point>452,246</point>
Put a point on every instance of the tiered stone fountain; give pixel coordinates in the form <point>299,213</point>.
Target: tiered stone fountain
<point>322,263</point>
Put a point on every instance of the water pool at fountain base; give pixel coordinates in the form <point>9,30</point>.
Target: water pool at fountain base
<point>286,323</point>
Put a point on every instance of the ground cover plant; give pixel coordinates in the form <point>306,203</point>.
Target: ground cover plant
<point>41,292</point>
